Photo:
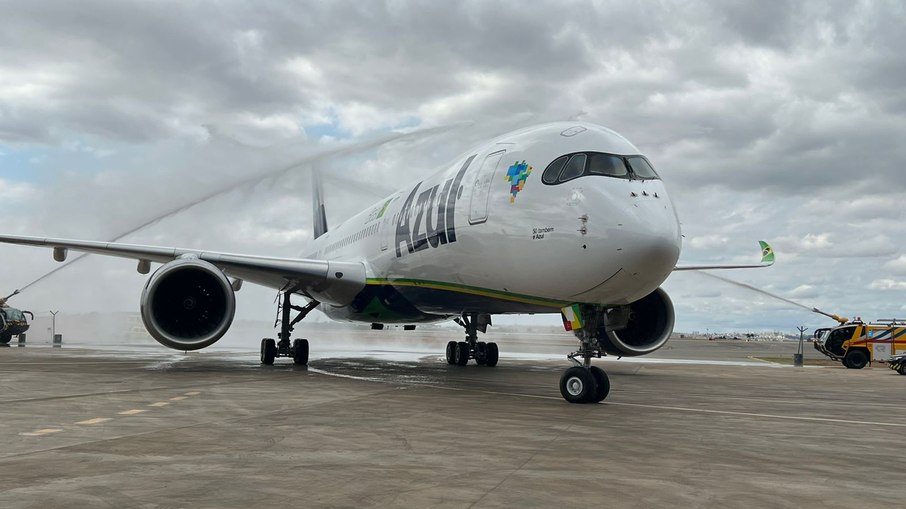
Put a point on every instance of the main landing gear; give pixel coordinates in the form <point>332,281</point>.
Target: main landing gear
<point>298,350</point>
<point>485,354</point>
<point>584,383</point>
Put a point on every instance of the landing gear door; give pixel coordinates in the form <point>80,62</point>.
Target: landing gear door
<point>481,188</point>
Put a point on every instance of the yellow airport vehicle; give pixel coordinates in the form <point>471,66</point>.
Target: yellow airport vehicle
<point>856,343</point>
<point>12,320</point>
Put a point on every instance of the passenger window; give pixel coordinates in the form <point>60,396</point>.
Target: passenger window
<point>641,168</point>
<point>606,164</point>
<point>574,168</point>
<point>553,170</point>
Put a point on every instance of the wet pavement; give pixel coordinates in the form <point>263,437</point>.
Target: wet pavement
<point>700,424</point>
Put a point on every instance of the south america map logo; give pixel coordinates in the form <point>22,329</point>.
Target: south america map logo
<point>516,176</point>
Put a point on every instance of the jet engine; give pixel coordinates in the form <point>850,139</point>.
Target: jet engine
<point>647,327</point>
<point>188,304</point>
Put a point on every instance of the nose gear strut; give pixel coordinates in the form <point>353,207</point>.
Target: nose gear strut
<point>584,383</point>
<point>485,354</point>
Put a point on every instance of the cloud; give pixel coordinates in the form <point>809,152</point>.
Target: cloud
<point>708,242</point>
<point>803,292</point>
<point>15,193</point>
<point>857,244</point>
<point>896,266</point>
<point>887,284</point>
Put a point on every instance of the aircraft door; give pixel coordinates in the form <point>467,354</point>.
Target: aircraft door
<point>386,228</point>
<point>481,188</point>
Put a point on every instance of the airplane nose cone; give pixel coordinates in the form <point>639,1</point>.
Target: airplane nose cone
<point>654,244</point>
<point>654,254</point>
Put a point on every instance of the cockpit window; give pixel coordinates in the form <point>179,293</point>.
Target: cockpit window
<point>553,170</point>
<point>13,314</point>
<point>641,168</point>
<point>571,166</point>
<point>606,164</point>
<point>574,168</point>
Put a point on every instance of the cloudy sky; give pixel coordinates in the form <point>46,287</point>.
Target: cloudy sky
<point>778,120</point>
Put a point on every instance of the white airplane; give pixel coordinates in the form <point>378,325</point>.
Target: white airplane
<point>565,218</point>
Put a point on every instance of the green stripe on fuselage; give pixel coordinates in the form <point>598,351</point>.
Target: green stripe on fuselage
<point>470,290</point>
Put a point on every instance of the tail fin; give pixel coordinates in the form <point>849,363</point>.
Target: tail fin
<point>319,216</point>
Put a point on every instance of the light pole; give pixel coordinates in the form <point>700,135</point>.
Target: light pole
<point>797,359</point>
<point>53,326</point>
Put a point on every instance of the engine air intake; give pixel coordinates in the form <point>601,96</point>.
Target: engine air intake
<point>188,304</point>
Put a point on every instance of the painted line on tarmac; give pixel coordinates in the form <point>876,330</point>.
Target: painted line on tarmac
<point>638,405</point>
<point>340,375</point>
<point>101,420</point>
<point>766,416</point>
<point>701,410</point>
<point>96,420</point>
<point>41,432</point>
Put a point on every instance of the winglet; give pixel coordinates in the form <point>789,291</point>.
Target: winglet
<point>767,253</point>
<point>319,215</point>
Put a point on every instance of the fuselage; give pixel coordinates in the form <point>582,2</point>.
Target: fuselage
<point>527,223</point>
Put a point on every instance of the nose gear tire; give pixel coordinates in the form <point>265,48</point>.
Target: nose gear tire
<point>602,384</point>
<point>577,385</point>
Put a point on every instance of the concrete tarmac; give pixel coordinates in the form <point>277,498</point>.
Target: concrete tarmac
<point>701,425</point>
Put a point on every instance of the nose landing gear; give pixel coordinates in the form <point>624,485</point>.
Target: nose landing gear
<point>584,383</point>
<point>459,352</point>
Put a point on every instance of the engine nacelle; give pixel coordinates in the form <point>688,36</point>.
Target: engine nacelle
<point>188,304</point>
<point>649,327</point>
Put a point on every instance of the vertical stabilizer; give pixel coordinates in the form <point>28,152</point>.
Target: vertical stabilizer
<point>319,216</point>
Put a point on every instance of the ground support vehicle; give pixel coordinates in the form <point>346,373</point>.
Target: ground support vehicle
<point>12,320</point>
<point>856,344</point>
<point>12,323</point>
<point>897,363</point>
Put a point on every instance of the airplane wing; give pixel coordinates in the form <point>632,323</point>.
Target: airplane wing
<point>767,259</point>
<point>332,282</point>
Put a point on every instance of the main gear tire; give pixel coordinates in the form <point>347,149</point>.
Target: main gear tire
<point>300,352</point>
<point>268,351</point>
<point>451,352</point>
<point>462,353</point>
<point>492,355</point>
<point>481,353</point>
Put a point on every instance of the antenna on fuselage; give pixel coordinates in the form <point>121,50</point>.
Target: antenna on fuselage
<point>319,215</point>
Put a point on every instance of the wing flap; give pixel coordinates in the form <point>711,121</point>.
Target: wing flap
<point>331,282</point>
